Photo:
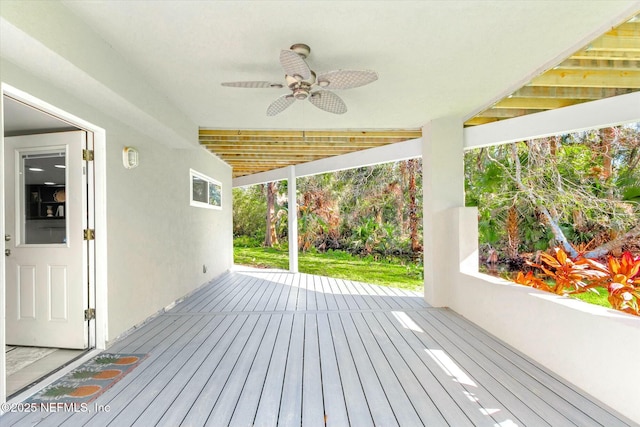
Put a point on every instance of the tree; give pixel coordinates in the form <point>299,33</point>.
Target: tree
<point>571,188</point>
<point>249,207</point>
<point>271,236</point>
<point>412,170</point>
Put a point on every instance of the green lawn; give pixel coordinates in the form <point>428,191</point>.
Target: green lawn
<point>335,264</point>
<point>346,266</point>
<point>592,298</point>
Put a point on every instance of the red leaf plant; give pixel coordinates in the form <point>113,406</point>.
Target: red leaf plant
<point>567,276</point>
<point>621,277</point>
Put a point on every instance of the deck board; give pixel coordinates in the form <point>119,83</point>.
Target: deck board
<point>272,348</point>
<point>247,404</point>
<point>269,404</point>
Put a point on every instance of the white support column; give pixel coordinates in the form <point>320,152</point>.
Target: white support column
<point>443,191</point>
<point>293,221</point>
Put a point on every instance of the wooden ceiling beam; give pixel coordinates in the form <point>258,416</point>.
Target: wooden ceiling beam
<point>587,93</point>
<point>601,64</point>
<point>612,42</point>
<point>589,78</point>
<point>257,145</point>
<point>475,121</point>
<point>608,55</point>
<point>401,134</point>
<point>309,142</point>
<point>279,152</point>
<point>270,157</point>
<point>505,113</point>
<point>537,103</point>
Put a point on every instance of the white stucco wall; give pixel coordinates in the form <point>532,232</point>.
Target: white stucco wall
<point>157,242</point>
<point>590,346</point>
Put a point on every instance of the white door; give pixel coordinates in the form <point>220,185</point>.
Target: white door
<point>45,214</point>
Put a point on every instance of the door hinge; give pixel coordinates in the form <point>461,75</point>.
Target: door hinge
<point>89,234</point>
<point>90,314</point>
<point>87,155</point>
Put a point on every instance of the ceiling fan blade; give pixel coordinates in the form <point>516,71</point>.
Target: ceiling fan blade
<point>253,85</point>
<point>294,65</point>
<point>346,79</point>
<point>280,104</point>
<point>328,101</point>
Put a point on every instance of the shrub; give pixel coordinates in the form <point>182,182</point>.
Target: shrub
<point>566,276</point>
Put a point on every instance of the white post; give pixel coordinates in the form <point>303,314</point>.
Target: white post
<point>293,221</point>
<point>443,190</point>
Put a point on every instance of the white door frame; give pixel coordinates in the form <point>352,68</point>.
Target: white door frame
<point>98,256</point>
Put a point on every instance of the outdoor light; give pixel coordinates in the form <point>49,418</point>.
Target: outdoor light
<point>129,157</point>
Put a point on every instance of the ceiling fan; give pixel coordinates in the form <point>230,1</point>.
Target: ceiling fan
<point>305,84</point>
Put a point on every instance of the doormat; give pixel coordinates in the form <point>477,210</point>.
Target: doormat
<point>90,380</point>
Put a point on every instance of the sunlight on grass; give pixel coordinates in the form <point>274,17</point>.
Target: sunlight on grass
<point>336,264</point>
<point>592,298</point>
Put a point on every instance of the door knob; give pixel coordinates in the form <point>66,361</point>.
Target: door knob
<point>7,237</point>
<point>7,252</point>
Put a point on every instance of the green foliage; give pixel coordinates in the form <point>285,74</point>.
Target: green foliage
<point>249,212</point>
<point>587,183</point>
<point>362,211</point>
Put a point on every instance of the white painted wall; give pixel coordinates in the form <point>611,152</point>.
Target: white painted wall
<point>590,346</point>
<point>157,242</point>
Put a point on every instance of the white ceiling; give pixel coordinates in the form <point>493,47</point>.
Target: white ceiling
<point>434,58</point>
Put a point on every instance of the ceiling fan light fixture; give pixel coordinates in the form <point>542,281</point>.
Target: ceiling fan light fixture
<point>301,93</point>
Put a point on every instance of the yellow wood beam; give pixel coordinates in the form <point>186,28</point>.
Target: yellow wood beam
<point>271,157</point>
<point>474,121</point>
<point>601,64</point>
<point>274,161</point>
<point>505,113</point>
<point>267,145</point>
<point>608,55</point>
<point>588,93</point>
<point>536,103</point>
<point>365,134</point>
<point>614,42</point>
<point>589,78</point>
<point>280,151</point>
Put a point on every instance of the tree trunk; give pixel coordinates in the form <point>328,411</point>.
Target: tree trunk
<point>513,232</point>
<point>607,139</point>
<point>607,136</point>
<point>412,166</point>
<point>271,237</point>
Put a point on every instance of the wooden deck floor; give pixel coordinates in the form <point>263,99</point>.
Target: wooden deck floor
<point>274,348</point>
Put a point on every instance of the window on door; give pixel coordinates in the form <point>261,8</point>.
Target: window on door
<point>43,195</point>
